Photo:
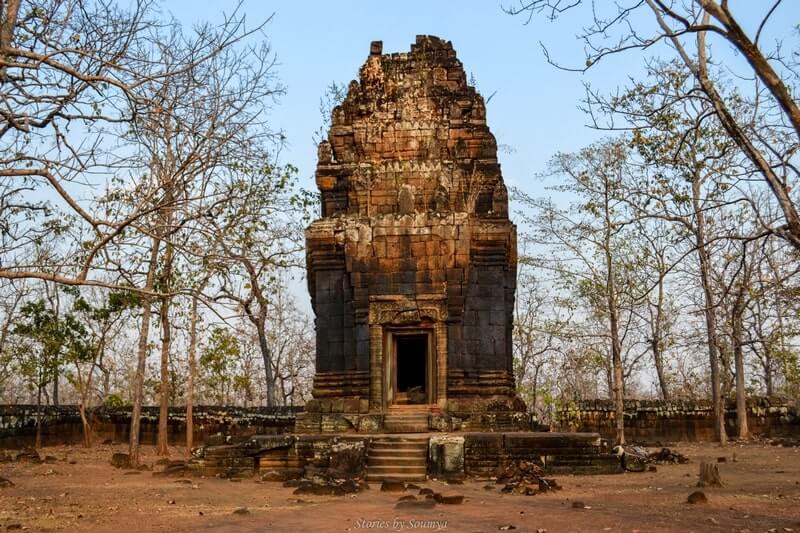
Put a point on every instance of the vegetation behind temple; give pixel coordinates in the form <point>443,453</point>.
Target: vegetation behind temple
<point>145,175</point>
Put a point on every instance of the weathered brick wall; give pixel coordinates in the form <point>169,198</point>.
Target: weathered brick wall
<point>414,230</point>
<point>62,425</point>
<point>658,421</point>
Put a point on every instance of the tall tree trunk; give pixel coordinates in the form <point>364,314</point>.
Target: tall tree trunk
<point>84,393</point>
<point>192,372</point>
<point>657,345</point>
<point>87,428</point>
<point>55,385</point>
<point>718,405</point>
<point>737,339</point>
<point>770,388</point>
<point>267,357</point>
<point>9,10</point>
<point>613,323</point>
<point>141,354</point>
<point>737,330</point>
<point>164,390</point>
<point>38,441</point>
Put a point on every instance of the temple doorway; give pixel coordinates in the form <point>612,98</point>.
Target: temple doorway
<point>411,363</point>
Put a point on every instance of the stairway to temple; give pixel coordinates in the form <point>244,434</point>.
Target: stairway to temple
<point>406,419</point>
<point>403,458</point>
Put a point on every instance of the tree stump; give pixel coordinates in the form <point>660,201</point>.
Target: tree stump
<point>709,475</point>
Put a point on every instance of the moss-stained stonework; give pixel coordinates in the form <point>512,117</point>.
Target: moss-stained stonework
<point>414,237</point>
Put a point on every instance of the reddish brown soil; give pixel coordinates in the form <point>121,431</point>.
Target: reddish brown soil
<point>761,493</point>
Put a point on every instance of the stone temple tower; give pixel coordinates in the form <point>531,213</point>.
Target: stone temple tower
<point>412,265</point>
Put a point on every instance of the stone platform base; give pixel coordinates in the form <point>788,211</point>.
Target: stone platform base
<point>477,414</point>
<point>449,455</point>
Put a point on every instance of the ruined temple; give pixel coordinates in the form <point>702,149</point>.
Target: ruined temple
<point>412,265</point>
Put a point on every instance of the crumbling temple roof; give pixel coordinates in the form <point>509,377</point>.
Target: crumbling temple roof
<point>411,124</point>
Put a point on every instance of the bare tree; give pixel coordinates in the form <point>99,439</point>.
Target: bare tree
<point>587,245</point>
<point>620,27</point>
<point>259,234</point>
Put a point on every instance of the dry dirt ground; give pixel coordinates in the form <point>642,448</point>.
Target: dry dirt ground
<point>761,494</point>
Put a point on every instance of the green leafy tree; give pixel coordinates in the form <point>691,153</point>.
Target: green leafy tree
<point>52,341</point>
<point>100,321</point>
<point>219,363</point>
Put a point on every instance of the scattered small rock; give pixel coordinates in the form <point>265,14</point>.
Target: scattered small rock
<point>13,526</point>
<point>273,475</point>
<point>5,483</point>
<point>107,442</point>
<point>578,505</point>
<point>330,487</point>
<point>241,511</point>
<point>665,456</point>
<point>120,460</point>
<point>426,491</point>
<point>171,502</point>
<point>411,486</point>
<point>697,496</point>
<point>416,504</point>
<point>393,485</point>
<point>652,468</point>
<point>449,499</point>
<point>525,478</point>
<point>132,473</point>
<point>28,455</point>
<point>407,498</point>
<point>722,459</point>
<point>506,527</point>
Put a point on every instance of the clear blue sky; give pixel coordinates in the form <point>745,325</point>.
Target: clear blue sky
<point>534,109</point>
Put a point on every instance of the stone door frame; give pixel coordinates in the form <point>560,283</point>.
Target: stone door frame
<point>391,315</point>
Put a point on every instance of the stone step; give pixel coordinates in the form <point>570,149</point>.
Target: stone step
<point>399,454</point>
<point>398,445</point>
<point>397,461</point>
<point>391,470</point>
<point>406,428</point>
<point>398,477</point>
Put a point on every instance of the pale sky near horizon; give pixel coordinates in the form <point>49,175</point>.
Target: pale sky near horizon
<point>533,109</point>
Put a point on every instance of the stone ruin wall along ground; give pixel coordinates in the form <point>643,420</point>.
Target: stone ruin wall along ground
<point>653,421</point>
<point>62,425</point>
<point>646,421</point>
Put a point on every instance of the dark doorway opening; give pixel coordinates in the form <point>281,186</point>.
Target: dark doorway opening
<point>412,368</point>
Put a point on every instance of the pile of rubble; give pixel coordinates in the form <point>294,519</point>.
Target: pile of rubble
<point>525,478</point>
<point>637,459</point>
<point>667,456</point>
<point>786,442</point>
<point>326,486</point>
<point>26,455</point>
